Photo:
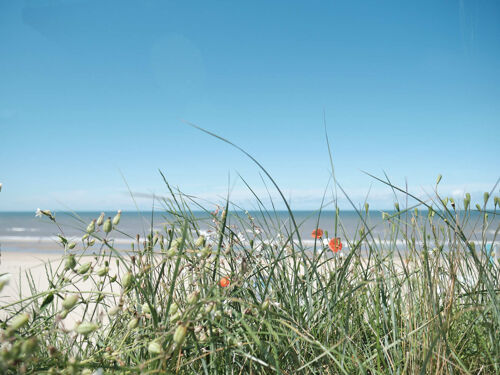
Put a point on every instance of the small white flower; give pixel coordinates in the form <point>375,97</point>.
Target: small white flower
<point>38,213</point>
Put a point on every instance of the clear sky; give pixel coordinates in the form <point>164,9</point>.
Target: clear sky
<point>93,89</point>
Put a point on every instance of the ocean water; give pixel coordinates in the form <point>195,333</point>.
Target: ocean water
<point>23,232</point>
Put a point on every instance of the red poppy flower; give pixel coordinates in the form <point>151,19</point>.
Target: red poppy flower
<point>224,282</point>
<point>317,233</point>
<point>335,244</point>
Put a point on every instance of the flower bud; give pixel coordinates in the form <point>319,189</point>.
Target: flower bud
<point>100,219</point>
<point>63,314</point>
<point>133,323</point>
<point>145,308</point>
<point>86,328</point>
<point>114,310</point>
<point>200,241</point>
<point>116,219</point>
<point>71,245</point>
<point>174,318</point>
<point>209,307</point>
<point>173,308</point>
<point>84,268</point>
<point>171,252</point>
<point>18,321</point>
<point>70,262</point>
<point>107,225</point>
<point>91,226</point>
<point>486,196</point>
<point>438,179</point>
<point>265,305</point>
<point>103,271</point>
<point>4,280</point>
<point>193,297</point>
<point>497,201</point>
<point>154,348</point>
<point>70,301</point>
<point>29,346</point>
<point>180,334</point>
<point>128,280</point>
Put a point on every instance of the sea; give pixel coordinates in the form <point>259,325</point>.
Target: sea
<point>24,232</point>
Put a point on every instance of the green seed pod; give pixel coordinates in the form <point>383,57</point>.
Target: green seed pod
<point>439,179</point>
<point>209,307</point>
<point>385,215</point>
<point>265,305</point>
<point>85,236</point>
<point>63,314</point>
<point>173,308</point>
<point>175,317</point>
<point>218,315</point>
<point>84,268</point>
<point>92,242</point>
<point>171,252</point>
<point>486,196</point>
<point>367,207</point>
<point>478,207</point>
<point>29,346</point>
<point>200,241</point>
<point>100,220</point>
<point>18,321</point>
<point>71,245</point>
<point>91,227</point>
<point>205,252</point>
<point>114,310</point>
<point>445,201</point>
<point>145,308</point>
<point>180,334</point>
<point>154,348</point>
<point>3,282</point>
<point>103,271</point>
<point>396,206</point>
<point>70,301</point>
<point>128,280</point>
<point>193,297</point>
<point>107,225</point>
<point>497,201</point>
<point>70,262</point>
<point>86,328</point>
<point>133,323</point>
<point>116,219</point>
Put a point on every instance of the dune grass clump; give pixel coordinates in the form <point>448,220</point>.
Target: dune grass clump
<point>248,297</point>
<point>251,296</point>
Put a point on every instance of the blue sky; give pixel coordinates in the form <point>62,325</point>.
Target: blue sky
<point>91,90</point>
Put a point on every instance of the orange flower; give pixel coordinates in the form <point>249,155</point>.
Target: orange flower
<point>317,233</point>
<point>224,282</point>
<point>335,244</point>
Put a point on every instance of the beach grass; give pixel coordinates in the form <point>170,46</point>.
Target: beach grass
<point>251,297</point>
